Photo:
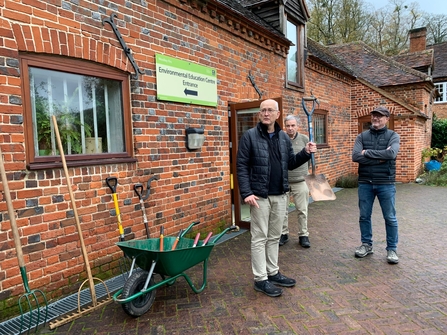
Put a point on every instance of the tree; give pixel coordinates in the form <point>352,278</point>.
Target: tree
<point>436,28</point>
<point>337,21</point>
<point>385,30</point>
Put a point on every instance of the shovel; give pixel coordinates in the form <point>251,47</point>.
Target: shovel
<point>318,186</point>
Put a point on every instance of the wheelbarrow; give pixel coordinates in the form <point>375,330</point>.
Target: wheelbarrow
<point>138,293</point>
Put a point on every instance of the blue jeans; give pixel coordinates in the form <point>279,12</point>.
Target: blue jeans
<point>386,195</point>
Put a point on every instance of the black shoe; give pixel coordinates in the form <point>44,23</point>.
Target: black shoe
<point>284,239</point>
<point>304,242</point>
<point>268,288</point>
<point>282,280</point>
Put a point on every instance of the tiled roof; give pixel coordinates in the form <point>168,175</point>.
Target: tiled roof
<point>420,60</point>
<point>440,51</point>
<point>237,7</point>
<point>324,53</point>
<point>378,69</point>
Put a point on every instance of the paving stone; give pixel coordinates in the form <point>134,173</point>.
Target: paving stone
<point>335,294</point>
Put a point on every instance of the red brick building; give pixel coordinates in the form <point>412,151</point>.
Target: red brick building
<point>58,57</point>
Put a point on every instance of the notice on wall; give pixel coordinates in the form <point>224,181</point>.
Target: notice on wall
<point>182,81</point>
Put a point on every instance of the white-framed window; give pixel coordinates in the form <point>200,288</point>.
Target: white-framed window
<point>295,58</point>
<point>442,89</point>
<point>91,106</point>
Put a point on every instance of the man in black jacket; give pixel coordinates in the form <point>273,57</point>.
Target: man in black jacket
<point>375,150</point>
<point>264,157</point>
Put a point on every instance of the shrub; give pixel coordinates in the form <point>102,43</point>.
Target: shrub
<point>436,178</point>
<point>439,133</point>
<point>347,181</point>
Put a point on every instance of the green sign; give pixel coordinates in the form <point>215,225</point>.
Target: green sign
<point>182,81</point>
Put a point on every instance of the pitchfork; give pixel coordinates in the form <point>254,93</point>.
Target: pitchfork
<point>30,297</point>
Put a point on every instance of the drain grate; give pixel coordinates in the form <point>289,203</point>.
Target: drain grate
<point>61,307</point>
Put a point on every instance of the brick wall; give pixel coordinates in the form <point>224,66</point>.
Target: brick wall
<point>193,186</point>
<point>440,110</point>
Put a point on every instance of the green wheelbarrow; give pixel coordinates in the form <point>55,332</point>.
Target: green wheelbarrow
<point>178,254</point>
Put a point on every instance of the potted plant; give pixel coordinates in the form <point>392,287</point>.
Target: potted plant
<point>69,125</point>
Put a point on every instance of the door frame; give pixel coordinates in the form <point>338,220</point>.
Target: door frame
<point>234,145</point>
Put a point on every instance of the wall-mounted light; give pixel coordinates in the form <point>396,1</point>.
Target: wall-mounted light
<point>195,138</point>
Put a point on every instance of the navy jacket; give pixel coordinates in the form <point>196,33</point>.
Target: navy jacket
<point>253,165</point>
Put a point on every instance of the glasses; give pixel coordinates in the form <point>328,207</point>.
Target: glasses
<point>268,110</point>
<point>377,116</point>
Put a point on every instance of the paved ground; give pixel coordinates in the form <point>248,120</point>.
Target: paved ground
<point>336,293</point>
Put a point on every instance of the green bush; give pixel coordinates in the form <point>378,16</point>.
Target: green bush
<point>347,181</point>
<point>439,133</point>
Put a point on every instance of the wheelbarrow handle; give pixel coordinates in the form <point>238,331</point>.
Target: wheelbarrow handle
<point>224,232</point>
<point>111,183</point>
<point>189,228</point>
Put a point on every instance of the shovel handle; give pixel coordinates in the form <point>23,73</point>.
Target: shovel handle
<point>111,183</point>
<point>138,188</point>
<point>310,126</point>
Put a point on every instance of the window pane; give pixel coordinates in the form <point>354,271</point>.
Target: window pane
<point>441,89</point>
<point>292,65</point>
<point>88,111</point>
<point>319,129</point>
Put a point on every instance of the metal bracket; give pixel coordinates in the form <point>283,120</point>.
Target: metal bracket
<point>252,80</point>
<point>127,50</point>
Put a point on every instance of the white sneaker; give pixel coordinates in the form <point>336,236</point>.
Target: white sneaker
<point>364,250</point>
<point>392,257</point>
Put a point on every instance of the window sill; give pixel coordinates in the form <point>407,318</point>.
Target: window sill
<point>97,161</point>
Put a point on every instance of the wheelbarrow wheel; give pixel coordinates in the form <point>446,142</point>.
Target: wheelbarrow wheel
<point>133,285</point>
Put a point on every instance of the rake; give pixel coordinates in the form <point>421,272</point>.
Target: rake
<point>31,297</point>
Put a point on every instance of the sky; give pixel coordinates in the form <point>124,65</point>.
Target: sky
<point>429,6</point>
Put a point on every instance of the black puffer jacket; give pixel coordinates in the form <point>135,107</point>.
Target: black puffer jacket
<point>253,165</point>
<point>378,163</point>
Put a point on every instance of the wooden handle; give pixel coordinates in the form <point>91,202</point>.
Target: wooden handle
<point>73,203</point>
<point>11,213</point>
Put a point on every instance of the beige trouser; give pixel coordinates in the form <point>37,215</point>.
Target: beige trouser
<point>300,193</point>
<point>265,228</point>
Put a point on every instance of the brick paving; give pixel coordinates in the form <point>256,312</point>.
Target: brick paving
<point>335,294</point>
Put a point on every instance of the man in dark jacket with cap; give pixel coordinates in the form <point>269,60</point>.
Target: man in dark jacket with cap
<point>375,150</point>
<point>264,157</point>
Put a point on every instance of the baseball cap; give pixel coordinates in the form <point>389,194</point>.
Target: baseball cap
<point>381,110</point>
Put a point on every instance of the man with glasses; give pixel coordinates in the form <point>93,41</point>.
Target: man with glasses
<point>264,157</point>
<point>375,151</point>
